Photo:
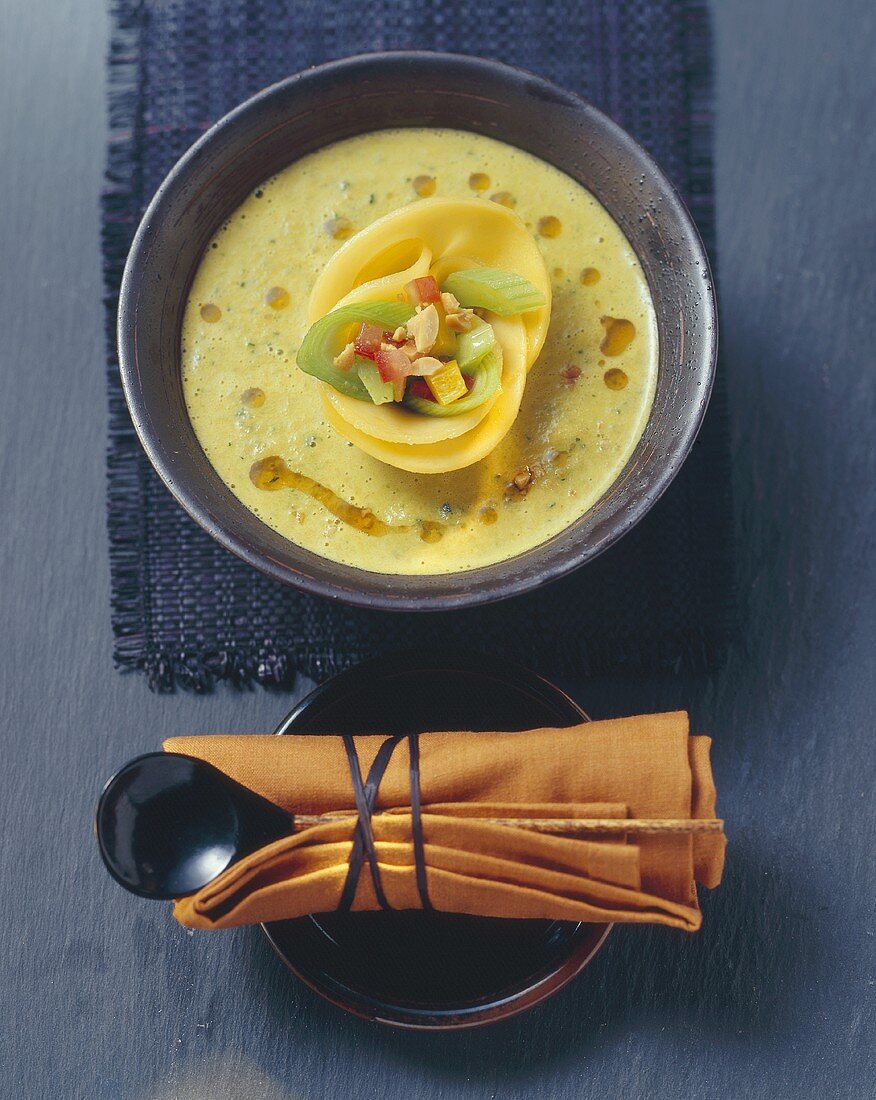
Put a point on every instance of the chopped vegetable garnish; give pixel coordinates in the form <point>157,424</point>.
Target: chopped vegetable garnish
<point>392,345</point>
<point>460,322</point>
<point>423,327</point>
<point>368,340</point>
<point>445,341</point>
<point>447,385</point>
<point>426,364</point>
<point>501,292</point>
<point>328,336</point>
<point>420,292</point>
<point>347,357</point>
<point>432,333</point>
<point>472,346</point>
<point>392,363</point>
<point>419,389</point>
<point>380,392</point>
<point>394,366</point>
<point>459,319</point>
<point>481,383</point>
<point>428,326</point>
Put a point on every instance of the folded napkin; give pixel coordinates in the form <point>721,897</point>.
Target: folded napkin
<point>647,767</point>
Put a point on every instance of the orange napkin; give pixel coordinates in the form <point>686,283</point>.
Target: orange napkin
<point>647,767</point>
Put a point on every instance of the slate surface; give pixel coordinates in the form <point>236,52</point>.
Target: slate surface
<point>102,997</point>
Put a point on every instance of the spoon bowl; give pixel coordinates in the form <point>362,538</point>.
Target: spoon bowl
<point>167,824</point>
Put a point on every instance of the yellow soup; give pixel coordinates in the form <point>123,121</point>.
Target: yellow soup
<point>261,420</point>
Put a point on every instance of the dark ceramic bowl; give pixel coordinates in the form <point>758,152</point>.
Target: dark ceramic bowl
<point>376,91</point>
<point>433,970</point>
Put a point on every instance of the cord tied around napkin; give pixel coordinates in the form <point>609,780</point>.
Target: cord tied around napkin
<point>365,795</point>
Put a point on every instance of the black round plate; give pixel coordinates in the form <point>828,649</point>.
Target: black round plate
<point>433,970</point>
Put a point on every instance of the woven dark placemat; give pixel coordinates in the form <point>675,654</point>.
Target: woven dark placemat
<point>185,611</point>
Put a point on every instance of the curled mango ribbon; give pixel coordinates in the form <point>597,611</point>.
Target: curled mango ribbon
<point>437,237</point>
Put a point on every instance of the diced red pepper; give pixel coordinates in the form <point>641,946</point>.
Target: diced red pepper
<point>392,364</point>
<point>368,340</point>
<point>469,381</point>
<point>417,387</point>
<point>421,292</point>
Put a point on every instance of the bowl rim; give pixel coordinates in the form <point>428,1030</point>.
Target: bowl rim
<point>515,1002</point>
<point>512,582</point>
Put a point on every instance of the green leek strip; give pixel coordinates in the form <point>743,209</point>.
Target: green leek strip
<point>325,340</point>
<point>473,345</point>
<point>486,376</point>
<point>379,391</point>
<point>501,292</point>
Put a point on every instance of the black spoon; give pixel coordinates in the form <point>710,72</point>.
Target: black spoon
<point>168,824</point>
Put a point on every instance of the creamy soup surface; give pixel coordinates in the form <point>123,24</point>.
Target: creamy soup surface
<point>586,401</point>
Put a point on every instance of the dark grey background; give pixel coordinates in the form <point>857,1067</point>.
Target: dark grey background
<point>103,996</point>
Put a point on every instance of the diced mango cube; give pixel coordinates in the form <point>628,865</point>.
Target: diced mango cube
<point>447,385</point>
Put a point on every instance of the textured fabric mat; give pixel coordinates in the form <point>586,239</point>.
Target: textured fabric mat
<point>185,611</point>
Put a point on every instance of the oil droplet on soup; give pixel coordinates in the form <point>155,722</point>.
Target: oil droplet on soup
<point>277,297</point>
<point>339,228</point>
<point>479,181</point>
<point>254,397</point>
<point>272,473</point>
<point>590,276</point>
<point>504,198</point>
<point>615,378</point>
<point>430,531</point>
<point>210,313</point>
<point>549,226</point>
<point>619,334</point>
<point>424,186</point>
<point>488,516</point>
